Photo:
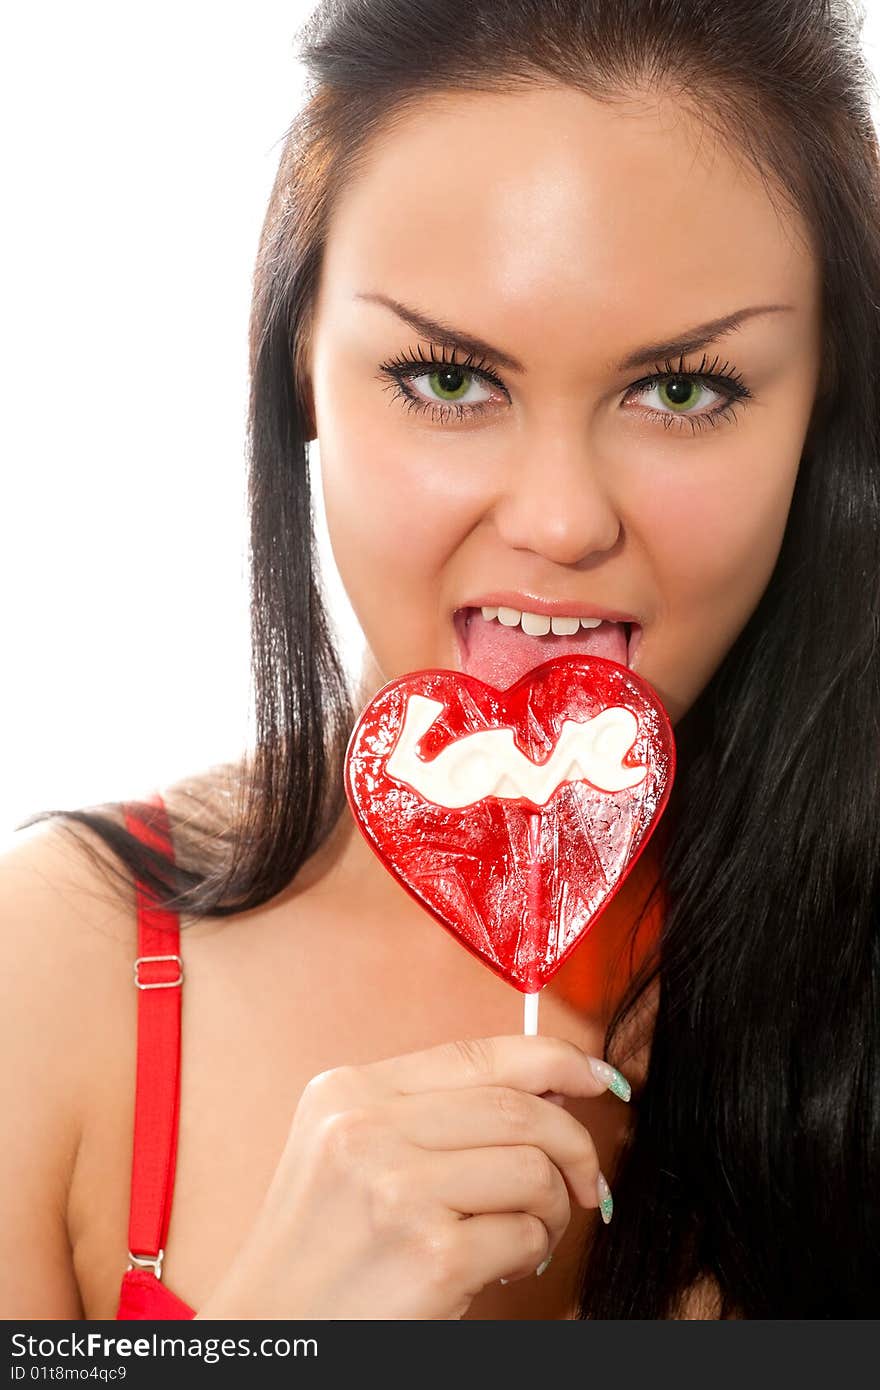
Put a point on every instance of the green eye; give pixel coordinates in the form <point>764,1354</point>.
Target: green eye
<point>680,392</point>
<point>450,383</point>
<point>443,387</point>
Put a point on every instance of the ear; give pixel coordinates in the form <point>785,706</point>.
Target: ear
<point>302,385</point>
<point>308,411</point>
<point>302,390</point>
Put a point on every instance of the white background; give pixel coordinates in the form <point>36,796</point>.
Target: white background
<point>140,146</point>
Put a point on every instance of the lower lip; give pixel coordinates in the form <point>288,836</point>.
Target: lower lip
<point>544,647</point>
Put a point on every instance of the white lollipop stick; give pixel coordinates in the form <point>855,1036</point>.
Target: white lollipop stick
<point>530,1001</point>
<point>530,1013</point>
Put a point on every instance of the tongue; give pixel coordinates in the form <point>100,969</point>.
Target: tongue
<point>499,655</point>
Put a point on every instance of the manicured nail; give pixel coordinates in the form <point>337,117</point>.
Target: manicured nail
<point>606,1201</point>
<point>539,1271</point>
<point>610,1077</point>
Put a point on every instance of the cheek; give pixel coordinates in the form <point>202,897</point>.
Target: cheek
<point>714,536</point>
<point>391,505</point>
<point>403,491</point>
<point>397,499</point>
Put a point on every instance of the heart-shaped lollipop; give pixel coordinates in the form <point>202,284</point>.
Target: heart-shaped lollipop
<point>513,816</point>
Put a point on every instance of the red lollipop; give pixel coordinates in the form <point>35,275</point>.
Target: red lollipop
<point>513,816</point>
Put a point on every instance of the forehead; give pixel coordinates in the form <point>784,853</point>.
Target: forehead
<point>548,202</point>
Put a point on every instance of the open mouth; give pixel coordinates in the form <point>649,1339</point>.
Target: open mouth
<point>499,655</point>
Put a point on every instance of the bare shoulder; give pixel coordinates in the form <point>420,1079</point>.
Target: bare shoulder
<point>65,907</point>
<point>66,934</point>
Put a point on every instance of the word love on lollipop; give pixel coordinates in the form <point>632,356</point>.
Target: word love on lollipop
<point>513,816</point>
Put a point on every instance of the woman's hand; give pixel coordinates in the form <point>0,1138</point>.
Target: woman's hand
<point>408,1185</point>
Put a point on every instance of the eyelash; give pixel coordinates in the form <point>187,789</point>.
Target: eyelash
<point>403,369</point>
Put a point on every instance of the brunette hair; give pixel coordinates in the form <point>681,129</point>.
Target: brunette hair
<point>754,1157</point>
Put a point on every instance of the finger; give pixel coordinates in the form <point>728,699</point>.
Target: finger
<point>485,1116</point>
<point>516,1178</point>
<point>496,1245</point>
<point>528,1063</point>
<point>554,1097</point>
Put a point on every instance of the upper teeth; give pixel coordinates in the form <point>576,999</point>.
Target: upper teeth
<point>538,624</point>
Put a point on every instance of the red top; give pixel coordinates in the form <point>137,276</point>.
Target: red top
<point>598,966</point>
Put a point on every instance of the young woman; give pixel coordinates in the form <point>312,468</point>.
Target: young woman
<point>582,304</point>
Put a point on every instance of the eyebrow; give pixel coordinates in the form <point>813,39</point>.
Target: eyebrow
<point>688,341</point>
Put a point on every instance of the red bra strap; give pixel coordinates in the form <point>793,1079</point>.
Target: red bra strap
<point>157,1095</point>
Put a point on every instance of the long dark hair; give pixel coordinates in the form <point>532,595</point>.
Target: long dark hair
<point>754,1156</point>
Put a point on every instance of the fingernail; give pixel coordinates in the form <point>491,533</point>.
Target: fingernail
<point>606,1201</point>
<point>610,1077</point>
<point>539,1271</point>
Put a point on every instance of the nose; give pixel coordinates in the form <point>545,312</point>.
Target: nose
<point>556,504</point>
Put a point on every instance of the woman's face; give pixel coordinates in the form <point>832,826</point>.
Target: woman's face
<point>578,241</point>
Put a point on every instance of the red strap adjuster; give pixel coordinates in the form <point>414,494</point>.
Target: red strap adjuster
<point>158,984</point>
